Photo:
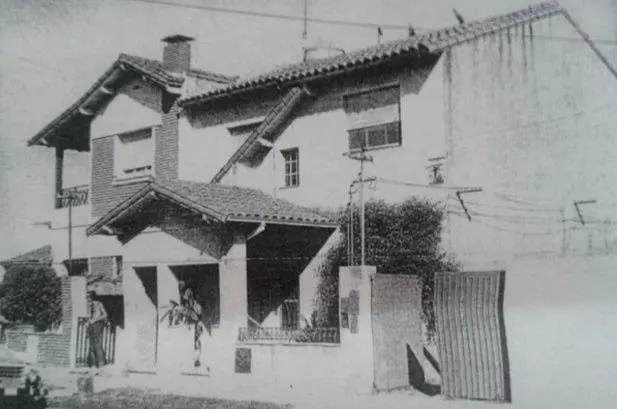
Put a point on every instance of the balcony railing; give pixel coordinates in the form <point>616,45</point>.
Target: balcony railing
<point>75,195</point>
<point>328,335</point>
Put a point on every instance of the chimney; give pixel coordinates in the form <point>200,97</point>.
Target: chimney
<point>177,52</point>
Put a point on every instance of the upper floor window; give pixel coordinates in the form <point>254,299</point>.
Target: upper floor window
<point>134,154</point>
<point>374,118</point>
<point>292,167</point>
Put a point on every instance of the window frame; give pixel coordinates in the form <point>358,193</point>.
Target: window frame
<point>376,125</point>
<point>137,173</point>
<point>288,175</point>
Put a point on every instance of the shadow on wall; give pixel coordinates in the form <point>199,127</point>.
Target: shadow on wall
<point>417,377</point>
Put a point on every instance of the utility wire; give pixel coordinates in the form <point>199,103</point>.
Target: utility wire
<point>372,25</point>
<point>276,15</point>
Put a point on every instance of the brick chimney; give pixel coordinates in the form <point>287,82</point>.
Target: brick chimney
<point>177,52</point>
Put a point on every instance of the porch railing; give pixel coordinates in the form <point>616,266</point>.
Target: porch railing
<point>328,335</point>
<point>77,195</point>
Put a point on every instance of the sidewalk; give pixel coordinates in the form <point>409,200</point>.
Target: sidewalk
<point>65,383</point>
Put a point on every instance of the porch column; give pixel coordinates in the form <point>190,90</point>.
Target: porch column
<point>232,273</point>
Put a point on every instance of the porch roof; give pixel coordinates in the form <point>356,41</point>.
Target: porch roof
<point>217,202</point>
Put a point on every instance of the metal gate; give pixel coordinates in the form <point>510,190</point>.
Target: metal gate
<point>471,335</point>
<point>83,342</point>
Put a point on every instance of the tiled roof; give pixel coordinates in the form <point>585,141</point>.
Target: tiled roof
<point>152,68</point>
<point>273,121</point>
<point>238,203</point>
<point>212,76</point>
<point>42,256</point>
<point>220,202</point>
<point>432,42</point>
<point>124,63</point>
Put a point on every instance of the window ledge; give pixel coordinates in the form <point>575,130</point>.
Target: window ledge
<point>118,181</point>
<point>288,187</point>
<point>375,148</point>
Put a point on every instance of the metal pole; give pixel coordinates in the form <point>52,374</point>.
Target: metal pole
<point>70,199</point>
<point>362,208</point>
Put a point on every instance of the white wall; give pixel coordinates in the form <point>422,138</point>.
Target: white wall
<point>531,119</point>
<point>130,109</point>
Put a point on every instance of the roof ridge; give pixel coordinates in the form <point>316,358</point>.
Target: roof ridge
<point>432,41</point>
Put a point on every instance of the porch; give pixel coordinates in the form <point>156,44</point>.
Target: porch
<point>250,276</point>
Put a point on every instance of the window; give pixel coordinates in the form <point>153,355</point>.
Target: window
<point>134,153</point>
<point>292,167</point>
<point>374,118</point>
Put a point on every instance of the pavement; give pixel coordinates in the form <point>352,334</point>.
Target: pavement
<point>64,382</point>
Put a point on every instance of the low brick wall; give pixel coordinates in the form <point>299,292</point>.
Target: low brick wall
<point>54,349</point>
<point>17,341</point>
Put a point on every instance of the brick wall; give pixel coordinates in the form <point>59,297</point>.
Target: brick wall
<point>55,348</point>
<point>166,143</point>
<point>104,195</point>
<point>102,266</point>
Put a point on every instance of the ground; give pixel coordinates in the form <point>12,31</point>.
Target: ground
<point>131,398</point>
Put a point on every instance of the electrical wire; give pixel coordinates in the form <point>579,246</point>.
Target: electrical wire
<point>278,16</point>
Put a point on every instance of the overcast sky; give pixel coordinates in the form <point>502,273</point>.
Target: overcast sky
<point>51,51</point>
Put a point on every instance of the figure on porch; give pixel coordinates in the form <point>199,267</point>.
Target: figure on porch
<point>190,313</point>
<point>96,324</point>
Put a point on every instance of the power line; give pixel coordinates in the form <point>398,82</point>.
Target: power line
<point>372,25</point>
<point>276,15</point>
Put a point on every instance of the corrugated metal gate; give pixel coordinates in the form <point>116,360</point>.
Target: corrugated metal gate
<point>397,328</point>
<point>471,335</point>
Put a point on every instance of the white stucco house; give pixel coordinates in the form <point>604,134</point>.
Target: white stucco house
<point>188,175</point>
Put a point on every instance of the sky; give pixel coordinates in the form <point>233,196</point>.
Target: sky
<point>51,51</point>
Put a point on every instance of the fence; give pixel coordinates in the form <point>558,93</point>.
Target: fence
<point>75,195</point>
<point>83,342</point>
<point>312,335</point>
<point>471,335</point>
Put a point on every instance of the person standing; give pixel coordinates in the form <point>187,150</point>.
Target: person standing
<point>96,323</point>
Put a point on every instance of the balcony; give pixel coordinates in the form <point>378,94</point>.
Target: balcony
<point>328,335</point>
<point>74,196</point>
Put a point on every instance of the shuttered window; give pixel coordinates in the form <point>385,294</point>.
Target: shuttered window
<point>134,154</point>
<point>374,118</point>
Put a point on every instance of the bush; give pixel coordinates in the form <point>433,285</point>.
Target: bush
<point>402,238</point>
<point>31,294</point>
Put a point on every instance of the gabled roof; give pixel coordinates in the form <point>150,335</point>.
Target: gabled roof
<point>103,90</point>
<point>431,42</point>
<point>40,256</point>
<point>272,124</point>
<point>221,203</point>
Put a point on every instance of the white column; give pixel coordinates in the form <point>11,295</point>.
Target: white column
<point>232,273</point>
<point>357,338</point>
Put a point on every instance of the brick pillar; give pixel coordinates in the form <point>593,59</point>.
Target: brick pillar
<point>74,305</point>
<point>356,327</point>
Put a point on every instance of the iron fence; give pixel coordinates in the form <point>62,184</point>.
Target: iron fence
<point>75,195</point>
<point>328,335</point>
<point>83,342</point>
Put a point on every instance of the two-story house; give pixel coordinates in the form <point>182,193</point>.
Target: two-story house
<point>207,180</point>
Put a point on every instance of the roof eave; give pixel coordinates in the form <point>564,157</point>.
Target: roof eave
<point>283,221</point>
<point>103,88</point>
